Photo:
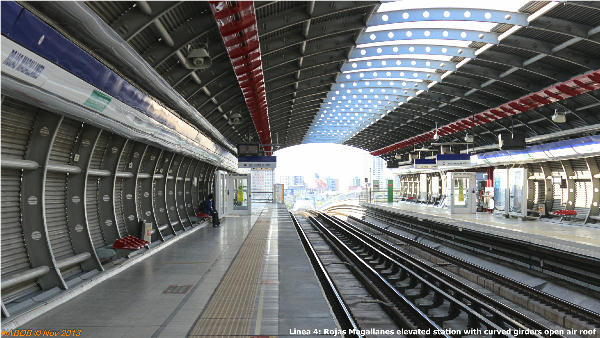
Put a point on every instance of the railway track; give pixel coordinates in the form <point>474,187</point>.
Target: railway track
<point>573,268</point>
<point>568,308</point>
<point>426,297</point>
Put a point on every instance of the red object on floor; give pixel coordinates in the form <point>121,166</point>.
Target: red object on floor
<point>130,243</point>
<point>565,212</point>
<point>201,214</point>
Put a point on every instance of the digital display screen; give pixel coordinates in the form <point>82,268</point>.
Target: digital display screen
<point>248,149</point>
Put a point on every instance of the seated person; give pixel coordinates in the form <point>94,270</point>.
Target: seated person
<point>209,210</point>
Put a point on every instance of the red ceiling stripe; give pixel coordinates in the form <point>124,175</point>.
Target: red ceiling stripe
<point>570,88</point>
<point>237,23</point>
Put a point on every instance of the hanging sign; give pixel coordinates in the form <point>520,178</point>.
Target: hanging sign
<point>425,163</point>
<point>257,162</point>
<point>453,160</point>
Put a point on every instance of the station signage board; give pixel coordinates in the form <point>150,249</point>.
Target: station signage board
<point>453,160</point>
<point>252,162</point>
<point>425,163</point>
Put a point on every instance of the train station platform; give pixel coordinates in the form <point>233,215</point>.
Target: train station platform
<point>248,277</point>
<point>572,238</point>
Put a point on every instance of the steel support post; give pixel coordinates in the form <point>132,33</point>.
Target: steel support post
<point>160,202</point>
<point>530,187</point>
<point>195,190</point>
<point>106,189</point>
<point>76,192</point>
<point>187,189</point>
<point>568,170</point>
<point>132,219</point>
<point>170,195</point>
<point>202,182</point>
<point>595,203</point>
<point>37,241</point>
<point>145,193</point>
<point>211,181</point>
<point>180,191</point>
<point>549,195</point>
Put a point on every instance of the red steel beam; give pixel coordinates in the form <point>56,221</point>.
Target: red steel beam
<point>570,88</point>
<point>238,27</point>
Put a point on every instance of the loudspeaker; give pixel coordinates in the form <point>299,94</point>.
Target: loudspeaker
<point>511,141</point>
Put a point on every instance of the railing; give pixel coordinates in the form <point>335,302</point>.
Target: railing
<point>340,198</point>
<point>261,196</point>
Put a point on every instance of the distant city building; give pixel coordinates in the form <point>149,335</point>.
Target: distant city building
<point>262,180</point>
<point>378,166</point>
<point>291,180</point>
<point>333,184</point>
<point>294,184</point>
<point>355,182</point>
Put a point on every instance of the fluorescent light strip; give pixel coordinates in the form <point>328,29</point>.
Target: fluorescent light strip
<point>446,74</point>
<point>432,84</point>
<point>463,62</point>
<point>542,11</point>
<point>509,32</point>
<point>483,49</point>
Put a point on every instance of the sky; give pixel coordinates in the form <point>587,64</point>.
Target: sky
<point>333,160</point>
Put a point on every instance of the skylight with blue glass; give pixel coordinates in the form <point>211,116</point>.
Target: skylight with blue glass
<point>407,48</point>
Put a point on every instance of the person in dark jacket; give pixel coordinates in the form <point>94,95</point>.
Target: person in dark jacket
<point>210,211</point>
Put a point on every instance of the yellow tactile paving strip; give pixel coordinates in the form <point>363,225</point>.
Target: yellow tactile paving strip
<point>229,312</point>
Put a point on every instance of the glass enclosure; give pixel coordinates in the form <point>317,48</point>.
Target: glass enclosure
<point>461,192</point>
<point>240,194</point>
<point>516,180</point>
<point>500,189</point>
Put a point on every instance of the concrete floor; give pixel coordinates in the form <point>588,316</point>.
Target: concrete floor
<point>133,303</point>
<point>573,238</point>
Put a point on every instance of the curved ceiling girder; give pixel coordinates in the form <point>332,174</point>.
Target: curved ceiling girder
<point>575,87</point>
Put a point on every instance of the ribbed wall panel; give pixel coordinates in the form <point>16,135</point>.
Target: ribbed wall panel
<point>14,255</point>
<point>62,148</point>
<point>93,216</point>
<point>56,194</point>
<point>583,196</point>
<point>579,166</point>
<point>559,194</point>
<point>99,149</point>
<point>17,120</point>
<point>56,216</point>
<point>118,198</point>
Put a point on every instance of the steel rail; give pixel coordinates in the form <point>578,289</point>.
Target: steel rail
<point>431,278</point>
<point>572,267</point>
<point>415,319</point>
<point>343,316</point>
<point>563,305</point>
<point>511,316</point>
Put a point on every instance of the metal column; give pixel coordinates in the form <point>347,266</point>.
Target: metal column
<point>76,192</point>
<point>170,195</point>
<point>33,215</point>
<point>132,218</point>
<point>106,188</point>
<point>595,204</point>
<point>568,169</point>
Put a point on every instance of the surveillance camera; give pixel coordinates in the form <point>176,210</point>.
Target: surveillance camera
<point>436,136</point>
<point>235,118</point>
<point>198,59</point>
<point>559,116</point>
<point>469,138</point>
